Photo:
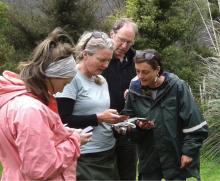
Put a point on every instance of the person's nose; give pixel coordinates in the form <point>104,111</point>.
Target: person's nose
<point>124,44</point>
<point>105,64</point>
<point>140,75</point>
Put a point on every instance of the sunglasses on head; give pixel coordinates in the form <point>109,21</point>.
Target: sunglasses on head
<point>95,34</point>
<point>145,55</point>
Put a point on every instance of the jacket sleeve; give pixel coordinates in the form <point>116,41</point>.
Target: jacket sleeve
<point>135,134</point>
<point>45,150</point>
<point>194,127</point>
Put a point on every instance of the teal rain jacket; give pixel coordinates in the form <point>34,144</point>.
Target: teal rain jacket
<point>179,127</point>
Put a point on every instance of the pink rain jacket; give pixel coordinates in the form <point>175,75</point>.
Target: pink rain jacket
<point>34,144</point>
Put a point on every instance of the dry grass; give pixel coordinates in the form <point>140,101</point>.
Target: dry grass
<point>209,90</point>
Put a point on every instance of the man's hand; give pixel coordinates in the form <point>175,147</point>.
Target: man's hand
<point>185,161</point>
<point>145,124</point>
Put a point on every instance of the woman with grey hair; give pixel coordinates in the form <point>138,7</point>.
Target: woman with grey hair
<point>85,102</point>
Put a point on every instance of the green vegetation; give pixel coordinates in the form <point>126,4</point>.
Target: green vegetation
<point>210,87</point>
<point>23,25</point>
<point>6,49</point>
<point>209,171</point>
<point>76,16</point>
<point>173,27</point>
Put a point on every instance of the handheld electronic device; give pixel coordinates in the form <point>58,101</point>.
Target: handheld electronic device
<point>142,119</point>
<point>87,129</point>
<point>129,122</point>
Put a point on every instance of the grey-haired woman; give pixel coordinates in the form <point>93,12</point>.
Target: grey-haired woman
<point>85,102</point>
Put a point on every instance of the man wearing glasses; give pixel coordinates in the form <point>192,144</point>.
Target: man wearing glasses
<point>118,75</point>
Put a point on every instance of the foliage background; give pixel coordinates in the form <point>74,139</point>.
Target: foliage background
<point>174,28</point>
<point>24,23</point>
<point>6,49</point>
<point>188,43</point>
<point>210,86</point>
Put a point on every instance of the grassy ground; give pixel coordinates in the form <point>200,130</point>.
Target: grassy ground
<point>210,171</point>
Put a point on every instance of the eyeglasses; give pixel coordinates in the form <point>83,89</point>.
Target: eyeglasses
<point>123,40</point>
<point>95,34</point>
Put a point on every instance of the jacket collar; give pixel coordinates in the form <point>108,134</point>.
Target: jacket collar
<point>136,88</point>
<point>128,56</point>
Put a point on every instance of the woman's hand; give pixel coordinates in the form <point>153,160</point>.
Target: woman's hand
<point>111,116</point>
<point>185,161</point>
<point>85,137</point>
<point>71,130</point>
<point>145,124</point>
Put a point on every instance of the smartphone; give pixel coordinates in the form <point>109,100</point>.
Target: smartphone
<point>142,119</point>
<point>87,129</point>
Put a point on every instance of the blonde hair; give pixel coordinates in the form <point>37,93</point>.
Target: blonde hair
<point>90,42</point>
<point>56,46</point>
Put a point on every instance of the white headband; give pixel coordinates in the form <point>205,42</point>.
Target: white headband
<point>64,68</point>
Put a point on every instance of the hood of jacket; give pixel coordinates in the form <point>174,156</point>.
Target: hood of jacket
<point>10,87</point>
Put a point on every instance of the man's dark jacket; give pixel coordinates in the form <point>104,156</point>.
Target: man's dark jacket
<point>118,75</point>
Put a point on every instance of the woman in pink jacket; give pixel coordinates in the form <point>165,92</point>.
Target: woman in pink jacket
<point>34,144</point>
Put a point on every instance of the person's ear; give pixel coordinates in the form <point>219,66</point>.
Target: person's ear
<point>85,54</point>
<point>112,34</point>
<point>158,69</point>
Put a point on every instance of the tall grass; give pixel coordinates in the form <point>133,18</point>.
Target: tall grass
<point>210,87</point>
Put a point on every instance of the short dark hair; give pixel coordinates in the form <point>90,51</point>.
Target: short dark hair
<point>121,22</point>
<point>151,57</point>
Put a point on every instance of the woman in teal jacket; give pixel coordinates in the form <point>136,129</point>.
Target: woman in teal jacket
<point>172,134</point>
